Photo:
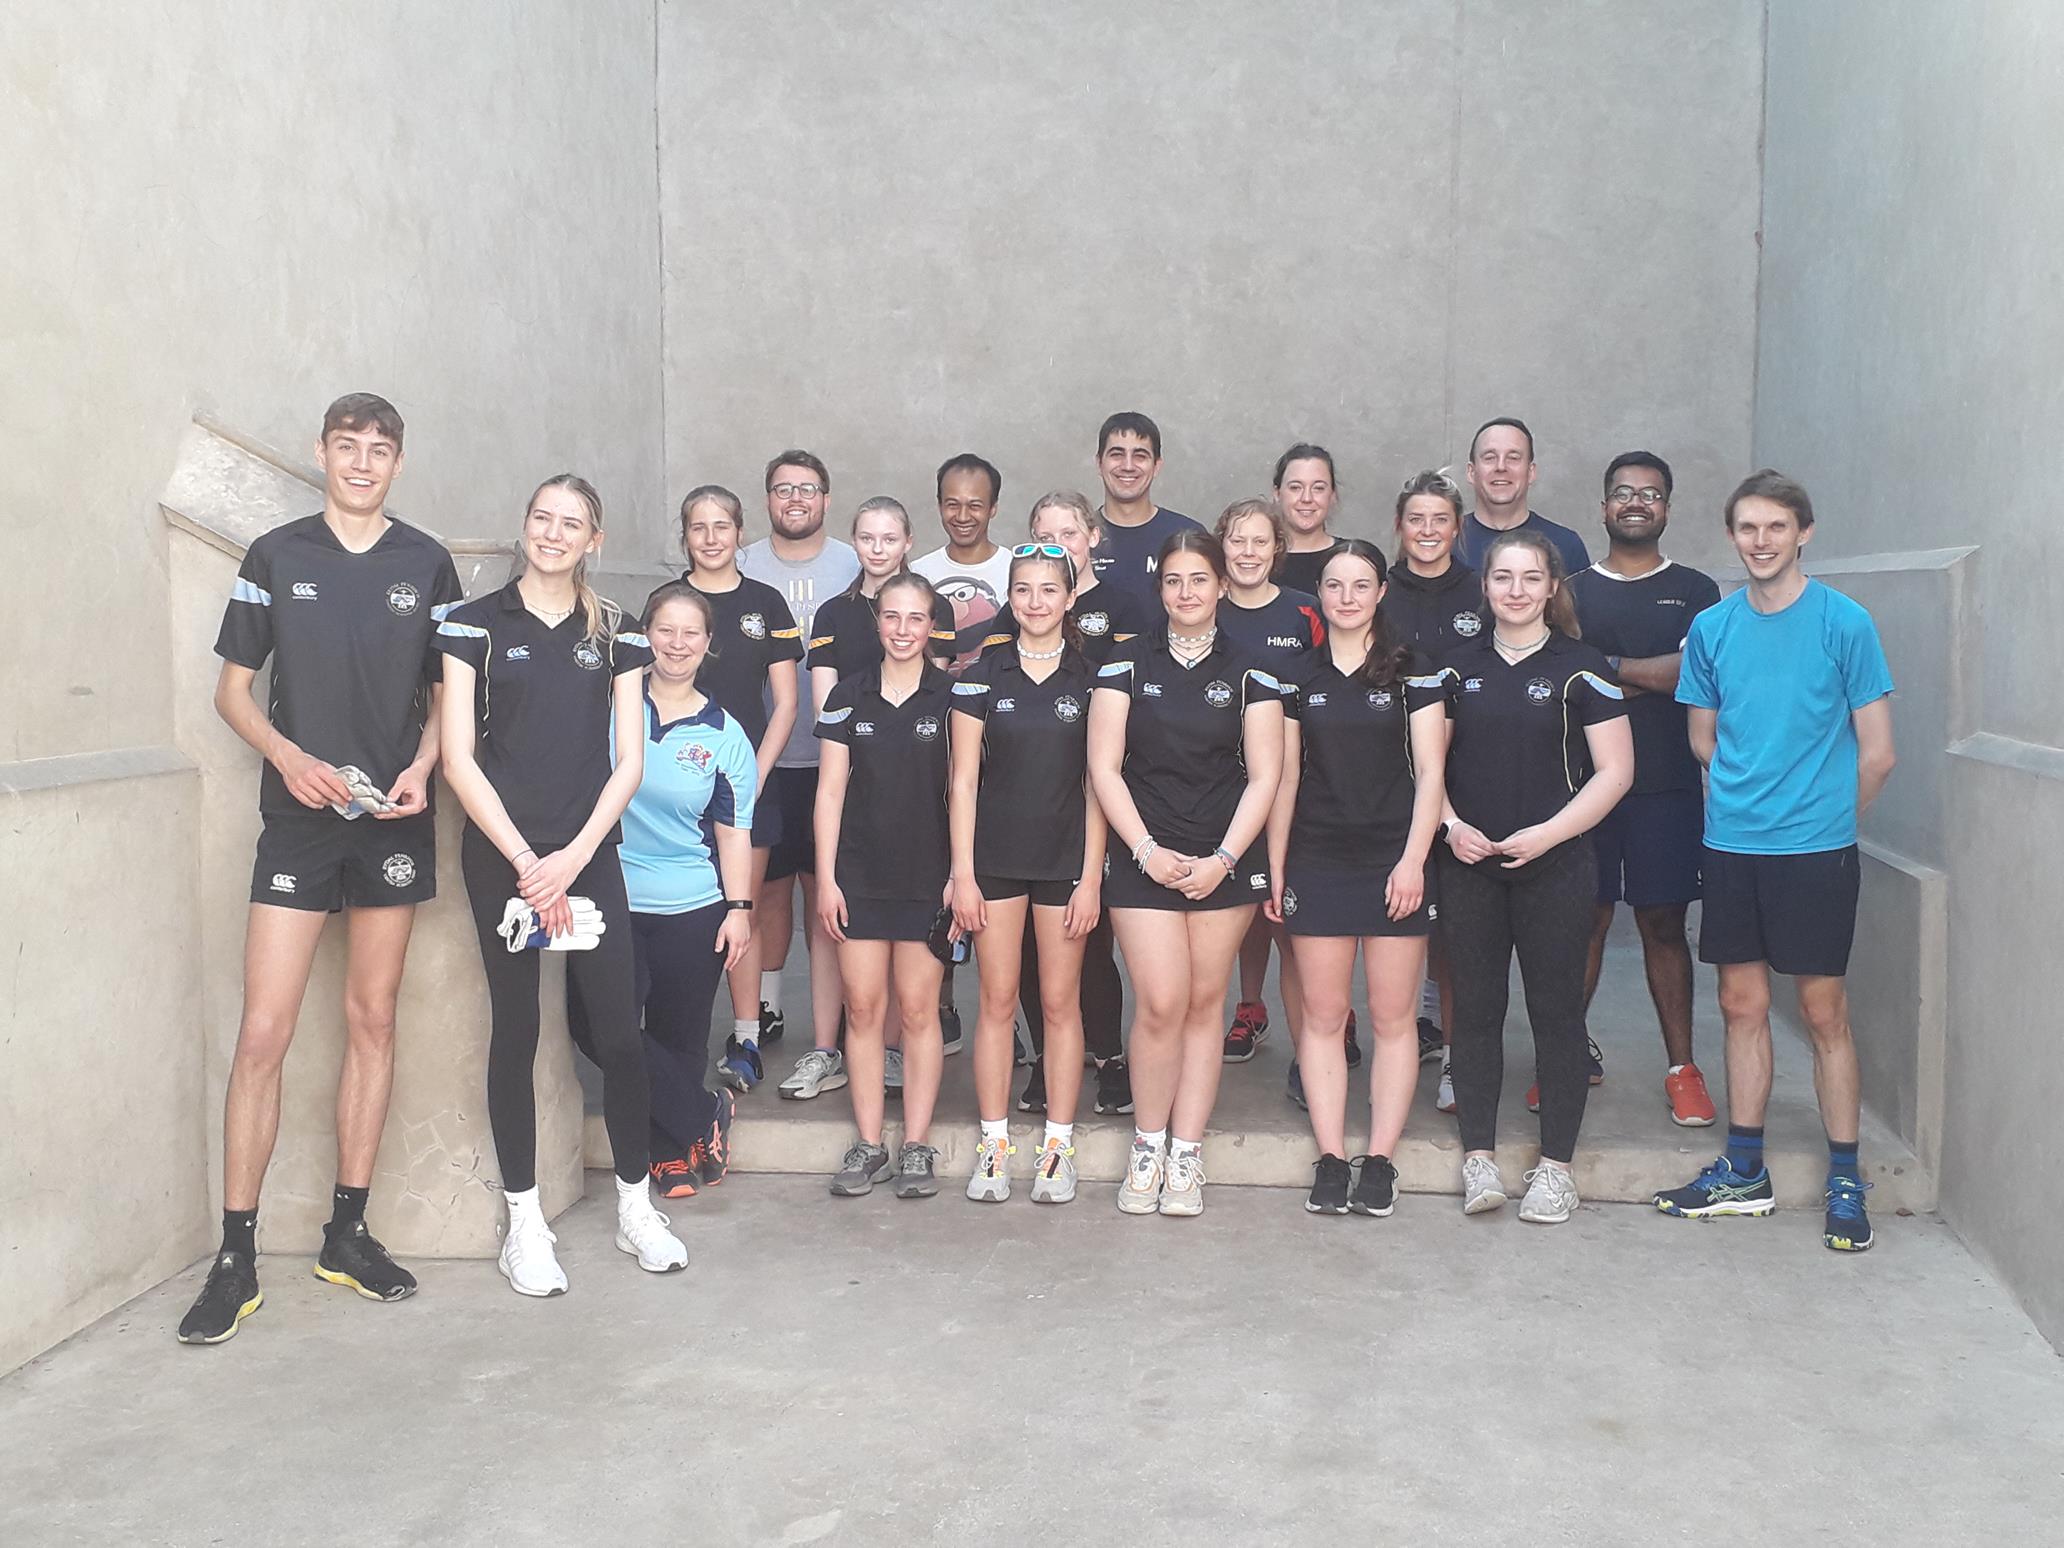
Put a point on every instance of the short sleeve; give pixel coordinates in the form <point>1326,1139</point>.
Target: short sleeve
<point>784,636</point>
<point>1866,674</point>
<point>971,693</point>
<point>445,595</point>
<point>822,647</point>
<point>455,636</point>
<point>1595,696</point>
<point>738,778</point>
<point>1695,684</point>
<point>1258,687</point>
<point>629,649</point>
<point>835,721</point>
<point>1705,593</point>
<point>246,634</point>
<point>1424,685</point>
<point>1116,673</point>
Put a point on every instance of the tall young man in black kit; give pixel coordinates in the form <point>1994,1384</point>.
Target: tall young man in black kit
<point>344,604</point>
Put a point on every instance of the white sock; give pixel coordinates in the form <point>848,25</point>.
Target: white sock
<point>1676,1069</point>
<point>525,1208</point>
<point>631,1195</point>
<point>1158,1138</point>
<point>1062,1134</point>
<point>770,990</point>
<point>746,1031</point>
<point>1183,1147</point>
<point>996,1128</point>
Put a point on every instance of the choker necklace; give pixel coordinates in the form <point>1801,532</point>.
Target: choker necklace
<point>1041,655</point>
<point>1198,642</point>
<point>1520,650</point>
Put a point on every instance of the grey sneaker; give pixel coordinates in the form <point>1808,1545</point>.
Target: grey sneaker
<point>917,1172</point>
<point>864,1166</point>
<point>991,1182</point>
<point>818,1071</point>
<point>1551,1195</point>
<point>1053,1174</point>
<point>1140,1193</point>
<point>1482,1188</point>
<point>1183,1192</point>
<point>892,1071</point>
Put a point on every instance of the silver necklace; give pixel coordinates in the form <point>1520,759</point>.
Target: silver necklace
<point>1512,652</point>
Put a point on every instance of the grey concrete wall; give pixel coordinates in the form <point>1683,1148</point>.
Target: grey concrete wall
<point>1909,335</point>
<point>932,227</point>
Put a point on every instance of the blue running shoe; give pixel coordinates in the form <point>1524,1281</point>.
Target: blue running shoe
<point>1721,1190</point>
<point>740,1068</point>
<point>1848,1228</point>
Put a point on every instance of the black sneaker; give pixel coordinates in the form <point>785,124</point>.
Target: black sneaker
<point>1354,1047</point>
<point>1114,1086</point>
<point>1330,1181</point>
<point>230,1295</point>
<point>1294,1087</point>
<point>1431,1041</point>
<point>1594,1062</point>
<point>949,1028</point>
<point>1375,1189</point>
<point>773,1025</point>
<point>353,1257</point>
<point>1033,1099</point>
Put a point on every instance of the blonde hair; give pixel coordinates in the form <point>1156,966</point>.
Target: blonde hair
<point>600,614</point>
<point>1070,501</point>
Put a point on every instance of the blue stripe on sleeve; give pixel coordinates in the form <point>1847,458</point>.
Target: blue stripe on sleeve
<point>832,717</point>
<point>251,592</point>
<point>1115,669</point>
<point>972,690</point>
<point>461,631</point>
<point>1605,688</point>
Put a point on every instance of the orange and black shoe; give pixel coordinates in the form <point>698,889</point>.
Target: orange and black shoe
<point>713,1150</point>
<point>677,1177</point>
<point>1250,1026</point>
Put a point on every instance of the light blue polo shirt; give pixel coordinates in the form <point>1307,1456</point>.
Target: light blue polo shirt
<point>1783,777</point>
<point>699,772</point>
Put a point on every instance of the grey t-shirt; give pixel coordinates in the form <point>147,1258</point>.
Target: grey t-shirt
<point>807,585</point>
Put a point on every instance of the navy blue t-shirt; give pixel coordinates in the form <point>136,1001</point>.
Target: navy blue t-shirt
<point>1281,634</point>
<point>1127,557</point>
<point>1648,615</point>
<point>1476,541</point>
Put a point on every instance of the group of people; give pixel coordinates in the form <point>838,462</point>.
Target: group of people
<point>1123,734</point>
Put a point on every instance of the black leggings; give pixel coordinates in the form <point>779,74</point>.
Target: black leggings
<point>1544,910</point>
<point>679,969</point>
<point>1103,996</point>
<point>604,980</point>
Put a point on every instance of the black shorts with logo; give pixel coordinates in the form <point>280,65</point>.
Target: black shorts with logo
<point>317,861</point>
<point>1127,886</point>
<point>1044,894</point>
<point>1341,901</point>
<point>1795,912</point>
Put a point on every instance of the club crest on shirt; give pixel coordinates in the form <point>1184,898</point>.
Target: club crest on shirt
<point>1096,625</point>
<point>587,657</point>
<point>1380,699</point>
<point>1068,707</point>
<point>926,729</point>
<point>399,870</point>
<point>403,599</point>
<point>695,756</point>
<point>1540,690</point>
<point>753,626</point>
<point>1289,902</point>
<point>1468,625</point>
<point>1218,693</point>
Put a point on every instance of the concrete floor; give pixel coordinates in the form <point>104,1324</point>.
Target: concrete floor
<point>877,1372</point>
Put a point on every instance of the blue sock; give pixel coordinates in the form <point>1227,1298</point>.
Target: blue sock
<point>1745,1150</point>
<point>1841,1161</point>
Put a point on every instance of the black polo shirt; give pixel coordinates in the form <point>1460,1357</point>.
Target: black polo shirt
<point>1184,761</point>
<point>1105,618</point>
<point>350,639</point>
<point>1035,753</point>
<point>1355,791</point>
<point>754,629</point>
<point>542,707</point>
<point>845,634</point>
<point>893,843</point>
<point>1301,572</point>
<point>1648,615</point>
<point>1281,634</point>
<point>1434,614</point>
<point>1518,753</point>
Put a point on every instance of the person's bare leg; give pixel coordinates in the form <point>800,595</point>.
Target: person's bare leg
<point>1666,954</point>
<point>279,950</point>
<point>916,974</point>
<point>999,961</point>
<point>1157,957</point>
<point>1214,942</point>
<point>745,973</point>
<point>827,987</point>
<point>1837,1080</point>
<point>1745,1009</point>
<point>1594,964</point>
<point>378,939</point>
<point>1254,954</point>
<point>1393,967</point>
<point>1060,1003</point>
<point>1290,980</point>
<point>865,970</point>
<point>1326,965</point>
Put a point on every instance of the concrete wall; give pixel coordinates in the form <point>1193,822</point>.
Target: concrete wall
<point>1908,345</point>
<point>932,227</point>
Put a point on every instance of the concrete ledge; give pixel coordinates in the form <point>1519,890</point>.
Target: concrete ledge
<point>94,768</point>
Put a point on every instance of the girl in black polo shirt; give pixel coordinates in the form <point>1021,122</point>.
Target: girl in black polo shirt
<point>751,673</point>
<point>1350,837</point>
<point>538,677</point>
<point>1539,751</point>
<point>882,865</point>
<point>1185,746</point>
<point>1027,841</point>
<point>845,634</point>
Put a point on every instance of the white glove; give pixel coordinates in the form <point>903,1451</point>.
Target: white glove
<point>521,930</point>
<point>365,795</point>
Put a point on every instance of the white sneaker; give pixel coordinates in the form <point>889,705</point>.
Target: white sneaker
<point>991,1182</point>
<point>1482,1188</point>
<point>892,1069</point>
<point>528,1261</point>
<point>818,1071</point>
<point>1053,1174</point>
<point>642,1232</point>
<point>1551,1195</point>
<point>1444,1099</point>
<point>1183,1192</point>
<point>1140,1193</point>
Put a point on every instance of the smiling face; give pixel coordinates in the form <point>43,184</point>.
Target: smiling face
<point>1517,584</point>
<point>358,468</point>
<point>680,639</point>
<point>1636,508</point>
<point>1306,496</point>
<point>798,513</point>
<point>906,622</point>
<point>1349,591</point>
<point>1501,469</point>
<point>1429,528</point>
<point>1190,591</point>
<point>710,536</point>
<point>1038,596</point>
<point>559,531</point>
<point>881,543</point>
<point>966,507</point>
<point>1058,524</point>
<point>1127,466</point>
<point>1768,537</point>
<point>1251,551</point>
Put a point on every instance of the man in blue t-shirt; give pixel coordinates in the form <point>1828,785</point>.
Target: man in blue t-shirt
<point>1502,474</point>
<point>1128,461</point>
<point>1789,695</point>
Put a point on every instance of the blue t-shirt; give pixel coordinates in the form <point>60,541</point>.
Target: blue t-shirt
<point>1783,780</point>
<point>699,771</point>
<point>1128,557</point>
<point>1475,541</point>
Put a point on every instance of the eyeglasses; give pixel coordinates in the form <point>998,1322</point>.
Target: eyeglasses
<point>1627,494</point>
<point>790,491</point>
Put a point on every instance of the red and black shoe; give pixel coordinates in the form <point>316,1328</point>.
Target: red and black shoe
<point>1250,1026</point>
<point>676,1177</point>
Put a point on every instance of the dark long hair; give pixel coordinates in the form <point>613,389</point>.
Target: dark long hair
<point>1385,663</point>
<point>1561,614</point>
<point>1190,540</point>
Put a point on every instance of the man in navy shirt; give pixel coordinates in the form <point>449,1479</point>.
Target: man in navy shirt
<point>1128,461</point>
<point>1637,606</point>
<point>1502,472</point>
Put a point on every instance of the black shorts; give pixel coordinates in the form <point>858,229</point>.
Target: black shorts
<point>1795,912</point>
<point>793,814</point>
<point>890,919</point>
<point>1044,894</point>
<point>768,821</point>
<point>1127,886</point>
<point>319,862</point>
<point>1347,901</point>
<point>1651,849</point>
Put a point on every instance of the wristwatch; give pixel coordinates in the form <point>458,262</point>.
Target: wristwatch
<point>1447,827</point>
<point>744,904</point>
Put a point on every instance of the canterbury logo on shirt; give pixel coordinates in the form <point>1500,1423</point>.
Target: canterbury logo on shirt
<point>304,591</point>
<point>517,653</point>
